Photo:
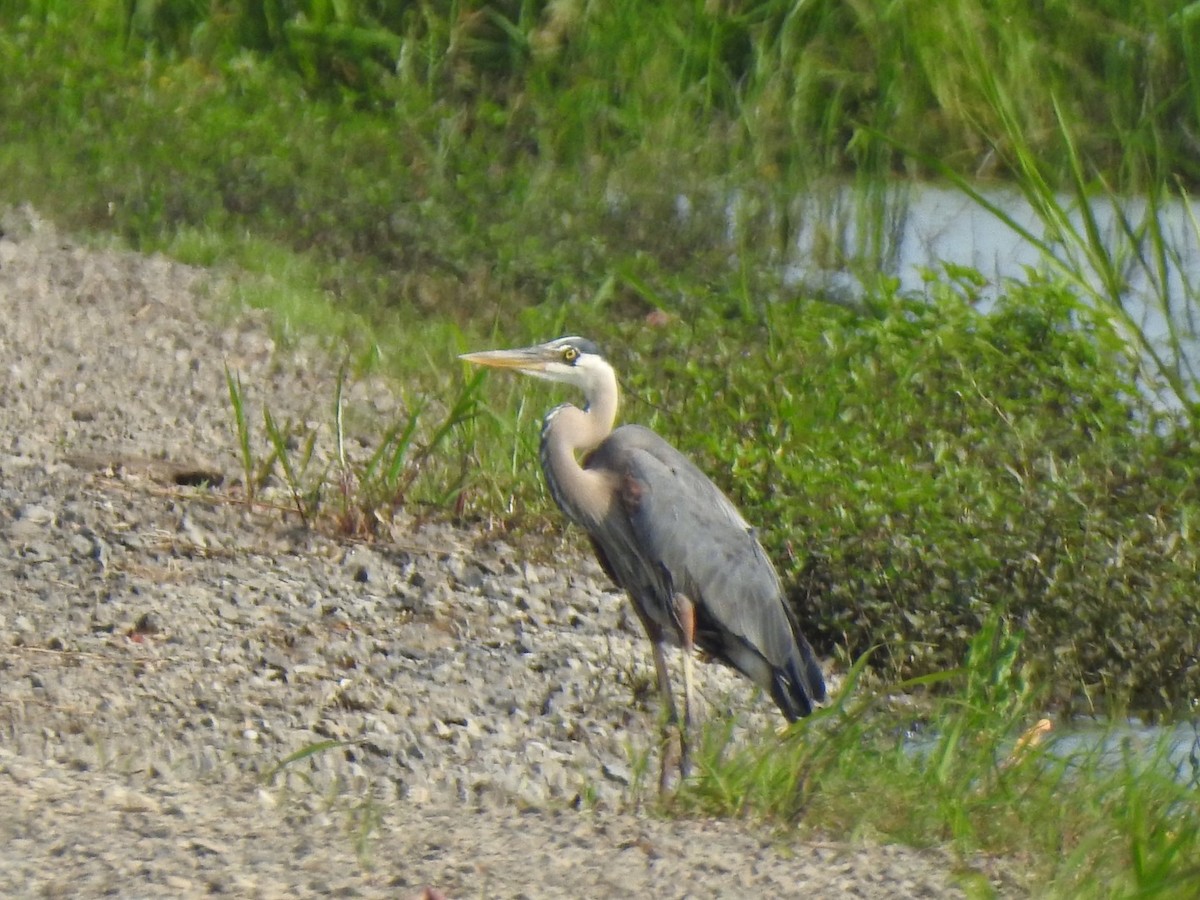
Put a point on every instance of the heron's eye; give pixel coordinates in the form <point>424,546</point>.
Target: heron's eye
<point>570,354</point>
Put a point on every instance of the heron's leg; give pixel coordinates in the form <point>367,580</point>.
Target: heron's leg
<point>669,719</point>
<point>664,682</point>
<point>687,631</point>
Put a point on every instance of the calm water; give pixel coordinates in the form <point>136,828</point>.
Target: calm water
<point>1172,748</point>
<point>1095,744</point>
<point>909,229</point>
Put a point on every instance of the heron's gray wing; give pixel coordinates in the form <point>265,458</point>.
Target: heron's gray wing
<point>681,522</point>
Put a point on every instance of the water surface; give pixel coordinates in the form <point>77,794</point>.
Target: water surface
<point>908,230</point>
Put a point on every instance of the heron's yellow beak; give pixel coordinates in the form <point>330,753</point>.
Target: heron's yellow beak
<point>528,359</point>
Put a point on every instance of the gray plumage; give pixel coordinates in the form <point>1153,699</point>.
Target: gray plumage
<point>673,531</point>
<point>693,567</point>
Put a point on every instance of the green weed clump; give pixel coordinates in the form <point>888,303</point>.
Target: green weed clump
<point>969,769</point>
<point>356,496</point>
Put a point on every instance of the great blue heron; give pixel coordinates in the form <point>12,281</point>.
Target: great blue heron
<point>693,567</point>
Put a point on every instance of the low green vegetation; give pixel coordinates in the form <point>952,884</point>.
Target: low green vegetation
<point>351,496</point>
<point>968,769</point>
<point>918,469</point>
<point>416,180</point>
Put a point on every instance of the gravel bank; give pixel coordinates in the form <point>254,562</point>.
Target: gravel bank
<point>161,650</point>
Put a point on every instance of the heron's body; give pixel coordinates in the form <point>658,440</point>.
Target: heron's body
<point>712,557</point>
<point>662,530</point>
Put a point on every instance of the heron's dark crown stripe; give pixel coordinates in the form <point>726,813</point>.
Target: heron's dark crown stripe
<point>583,345</point>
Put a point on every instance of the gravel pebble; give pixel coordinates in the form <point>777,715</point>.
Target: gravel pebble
<point>175,670</point>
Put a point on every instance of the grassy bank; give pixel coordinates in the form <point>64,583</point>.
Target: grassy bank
<point>974,770</point>
<point>455,176</point>
<point>526,148</point>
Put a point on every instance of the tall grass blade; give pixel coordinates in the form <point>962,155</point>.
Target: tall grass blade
<point>237,402</point>
<point>301,754</point>
<point>339,430</point>
<point>279,442</point>
<point>398,454</point>
<point>463,410</point>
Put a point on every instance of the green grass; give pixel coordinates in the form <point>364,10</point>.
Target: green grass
<point>947,771</point>
<point>412,182</point>
<point>352,496</point>
<point>514,153</point>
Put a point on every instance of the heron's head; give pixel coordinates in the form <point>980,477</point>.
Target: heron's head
<point>570,360</point>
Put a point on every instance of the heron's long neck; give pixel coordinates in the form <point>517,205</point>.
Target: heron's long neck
<point>581,493</point>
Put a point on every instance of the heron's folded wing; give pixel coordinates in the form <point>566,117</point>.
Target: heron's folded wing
<point>683,521</point>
